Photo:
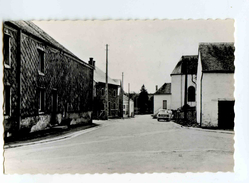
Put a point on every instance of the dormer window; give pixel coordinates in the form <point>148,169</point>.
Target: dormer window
<point>41,61</point>
<point>6,51</point>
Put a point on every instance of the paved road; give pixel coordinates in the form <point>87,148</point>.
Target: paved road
<point>136,145</point>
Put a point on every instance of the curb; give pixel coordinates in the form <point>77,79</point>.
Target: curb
<point>205,130</point>
<point>53,139</point>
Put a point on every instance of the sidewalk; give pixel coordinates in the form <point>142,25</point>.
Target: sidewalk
<point>205,129</point>
<point>51,134</point>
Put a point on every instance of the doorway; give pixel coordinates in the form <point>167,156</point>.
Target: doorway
<point>226,114</point>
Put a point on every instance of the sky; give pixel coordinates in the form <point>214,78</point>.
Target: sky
<point>146,51</point>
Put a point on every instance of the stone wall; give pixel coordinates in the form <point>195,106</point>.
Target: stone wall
<point>100,99</point>
<point>191,115</point>
<point>68,76</point>
<point>10,79</point>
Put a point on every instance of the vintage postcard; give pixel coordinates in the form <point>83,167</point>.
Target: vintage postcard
<point>121,96</point>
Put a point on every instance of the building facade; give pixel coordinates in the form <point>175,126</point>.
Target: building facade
<point>162,98</point>
<point>100,94</point>
<point>128,106</point>
<point>184,76</point>
<point>215,85</point>
<point>44,83</point>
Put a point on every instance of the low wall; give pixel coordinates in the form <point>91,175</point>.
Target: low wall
<point>43,121</point>
<point>79,118</point>
<point>191,115</point>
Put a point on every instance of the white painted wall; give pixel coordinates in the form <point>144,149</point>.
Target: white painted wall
<point>131,107</point>
<point>198,90</point>
<point>158,102</point>
<point>178,90</point>
<point>215,87</point>
<point>125,109</point>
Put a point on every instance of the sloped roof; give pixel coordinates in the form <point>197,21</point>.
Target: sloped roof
<point>164,89</point>
<point>100,77</point>
<point>117,81</point>
<point>217,57</point>
<point>31,28</point>
<point>191,61</point>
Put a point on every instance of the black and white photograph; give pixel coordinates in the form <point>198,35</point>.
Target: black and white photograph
<point>118,96</point>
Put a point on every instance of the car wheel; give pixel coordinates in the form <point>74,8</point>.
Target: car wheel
<point>158,119</point>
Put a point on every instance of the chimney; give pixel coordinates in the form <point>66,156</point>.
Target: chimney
<point>91,62</point>
<point>156,87</point>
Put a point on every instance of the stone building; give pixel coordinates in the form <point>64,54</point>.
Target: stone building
<point>99,94</point>
<point>44,83</point>
<point>215,85</point>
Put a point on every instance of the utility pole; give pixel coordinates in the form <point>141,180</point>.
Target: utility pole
<point>186,89</point>
<point>128,99</point>
<point>122,95</point>
<point>106,85</point>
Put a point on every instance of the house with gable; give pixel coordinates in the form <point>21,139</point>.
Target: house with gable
<point>183,82</point>
<point>44,83</point>
<point>99,94</point>
<point>128,106</point>
<point>215,85</point>
<point>162,98</point>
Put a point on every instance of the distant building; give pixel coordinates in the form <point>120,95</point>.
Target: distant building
<point>187,66</point>
<point>215,85</point>
<point>128,106</point>
<point>162,98</point>
<point>44,82</point>
<point>99,93</point>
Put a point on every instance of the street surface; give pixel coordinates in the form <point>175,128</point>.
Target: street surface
<point>135,145</point>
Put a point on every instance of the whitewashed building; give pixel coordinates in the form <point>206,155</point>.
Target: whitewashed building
<point>215,85</point>
<point>187,64</point>
<point>162,98</point>
<point>128,107</point>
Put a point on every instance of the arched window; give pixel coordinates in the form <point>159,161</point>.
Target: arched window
<point>191,94</point>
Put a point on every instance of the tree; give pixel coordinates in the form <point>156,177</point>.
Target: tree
<point>143,100</point>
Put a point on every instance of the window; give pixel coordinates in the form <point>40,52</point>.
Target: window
<point>123,106</point>
<point>41,100</point>
<point>102,91</point>
<point>164,104</point>
<point>6,50</point>
<point>54,101</point>
<point>114,105</point>
<point>114,93</point>
<point>7,100</point>
<point>191,94</point>
<point>41,61</point>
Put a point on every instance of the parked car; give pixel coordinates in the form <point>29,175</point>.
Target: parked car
<point>154,116</point>
<point>164,114</point>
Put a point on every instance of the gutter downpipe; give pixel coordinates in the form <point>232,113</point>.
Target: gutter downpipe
<point>201,101</point>
<point>18,77</point>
